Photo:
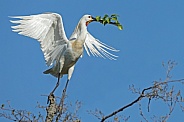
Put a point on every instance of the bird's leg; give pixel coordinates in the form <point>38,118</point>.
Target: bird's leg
<point>64,93</point>
<point>61,104</point>
<point>57,84</point>
<point>66,86</point>
<point>70,71</point>
<point>59,66</point>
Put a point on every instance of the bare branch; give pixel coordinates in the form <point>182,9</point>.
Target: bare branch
<point>51,109</point>
<point>157,91</point>
<point>19,115</point>
<point>141,113</point>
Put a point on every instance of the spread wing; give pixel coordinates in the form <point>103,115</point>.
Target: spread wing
<point>97,48</point>
<point>48,29</point>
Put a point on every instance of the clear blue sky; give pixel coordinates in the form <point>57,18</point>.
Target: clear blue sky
<point>153,33</point>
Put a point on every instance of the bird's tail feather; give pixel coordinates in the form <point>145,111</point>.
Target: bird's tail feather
<point>52,72</point>
<point>48,71</point>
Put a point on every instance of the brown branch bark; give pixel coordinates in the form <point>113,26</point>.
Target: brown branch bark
<point>51,109</point>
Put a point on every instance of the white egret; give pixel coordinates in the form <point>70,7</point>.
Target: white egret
<point>60,52</point>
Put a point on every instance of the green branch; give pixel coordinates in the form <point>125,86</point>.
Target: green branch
<point>113,19</point>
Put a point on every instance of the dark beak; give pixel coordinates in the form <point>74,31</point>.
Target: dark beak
<point>94,19</point>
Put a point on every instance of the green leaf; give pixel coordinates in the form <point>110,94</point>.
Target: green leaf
<point>105,16</point>
<point>112,19</point>
<point>104,22</point>
<point>115,15</point>
<point>98,18</point>
<point>115,19</point>
<point>108,20</point>
<point>120,27</point>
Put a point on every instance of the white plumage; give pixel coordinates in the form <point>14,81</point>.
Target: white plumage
<point>58,51</point>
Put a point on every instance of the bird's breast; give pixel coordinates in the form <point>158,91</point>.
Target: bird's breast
<point>72,54</point>
<point>77,46</point>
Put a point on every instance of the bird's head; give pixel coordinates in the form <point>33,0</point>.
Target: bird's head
<point>87,19</point>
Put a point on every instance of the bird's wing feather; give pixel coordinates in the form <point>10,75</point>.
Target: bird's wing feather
<point>97,48</point>
<point>48,29</point>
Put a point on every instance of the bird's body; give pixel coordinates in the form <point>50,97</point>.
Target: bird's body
<point>59,51</point>
<point>71,55</point>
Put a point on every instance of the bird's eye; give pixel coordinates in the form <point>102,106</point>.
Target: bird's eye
<point>89,16</point>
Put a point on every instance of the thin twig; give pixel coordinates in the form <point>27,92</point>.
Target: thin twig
<point>141,113</point>
<point>121,109</point>
<point>142,95</point>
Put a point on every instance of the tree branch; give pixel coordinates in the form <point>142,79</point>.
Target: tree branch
<point>51,109</point>
<point>142,95</point>
<point>128,105</point>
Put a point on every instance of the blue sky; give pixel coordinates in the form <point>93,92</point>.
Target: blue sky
<point>153,33</point>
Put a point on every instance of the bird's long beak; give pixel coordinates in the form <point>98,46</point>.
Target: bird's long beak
<point>94,19</point>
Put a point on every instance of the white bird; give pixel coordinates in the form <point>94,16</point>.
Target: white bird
<point>59,51</point>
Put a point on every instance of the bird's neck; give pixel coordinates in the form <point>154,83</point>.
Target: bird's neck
<point>81,31</point>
